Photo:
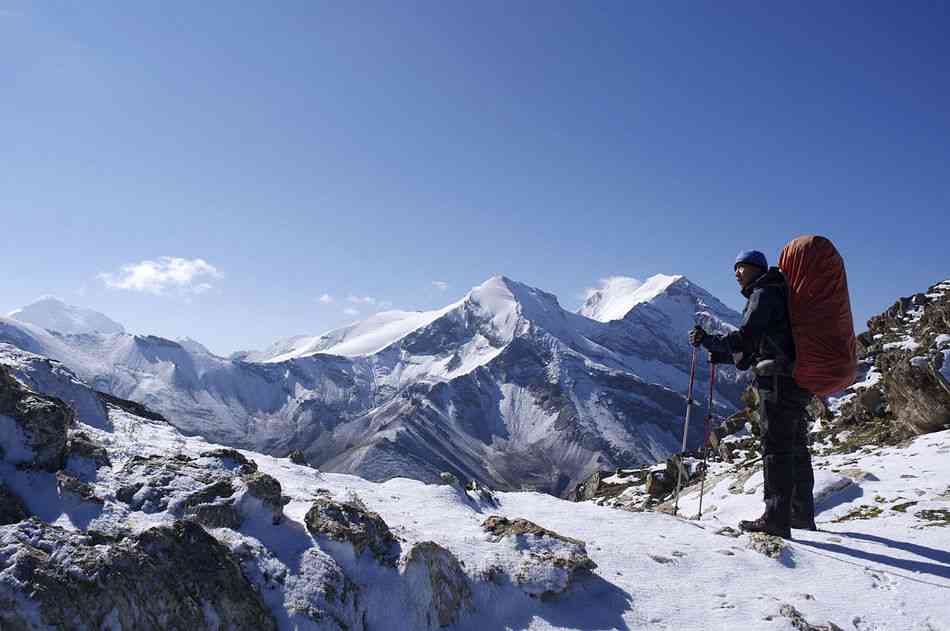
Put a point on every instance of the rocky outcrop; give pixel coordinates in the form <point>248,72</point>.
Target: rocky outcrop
<point>219,488</point>
<point>33,427</point>
<point>350,522</point>
<point>169,577</point>
<point>909,345</point>
<point>437,583</point>
<point>81,445</point>
<point>798,622</point>
<point>549,563</point>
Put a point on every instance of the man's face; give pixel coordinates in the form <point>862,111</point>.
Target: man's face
<point>746,273</point>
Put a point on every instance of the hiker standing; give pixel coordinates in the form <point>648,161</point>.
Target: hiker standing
<point>764,343</point>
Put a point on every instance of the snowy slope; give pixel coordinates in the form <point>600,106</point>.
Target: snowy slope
<point>504,387</point>
<point>888,569</point>
<point>55,315</point>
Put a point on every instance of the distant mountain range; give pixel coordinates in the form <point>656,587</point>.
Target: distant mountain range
<point>504,386</point>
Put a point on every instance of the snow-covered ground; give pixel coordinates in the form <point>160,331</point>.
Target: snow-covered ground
<point>880,561</point>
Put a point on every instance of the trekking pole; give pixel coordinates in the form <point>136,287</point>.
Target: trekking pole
<point>707,427</point>
<point>689,407</point>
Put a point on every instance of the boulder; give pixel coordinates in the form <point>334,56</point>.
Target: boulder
<point>80,445</point>
<point>350,522</point>
<point>548,563</point>
<point>437,584</point>
<point>168,577</point>
<point>69,484</point>
<point>267,490</point>
<point>297,457</point>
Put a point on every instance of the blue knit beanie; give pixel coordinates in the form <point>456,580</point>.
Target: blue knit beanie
<point>752,257</point>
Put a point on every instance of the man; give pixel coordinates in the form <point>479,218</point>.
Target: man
<point>765,344</point>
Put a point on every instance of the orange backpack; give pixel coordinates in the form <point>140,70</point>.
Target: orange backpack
<point>820,311</point>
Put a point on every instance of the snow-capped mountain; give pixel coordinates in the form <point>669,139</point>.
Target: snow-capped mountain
<point>54,314</point>
<point>504,386</point>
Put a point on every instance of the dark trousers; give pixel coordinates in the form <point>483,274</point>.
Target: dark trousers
<point>789,479</point>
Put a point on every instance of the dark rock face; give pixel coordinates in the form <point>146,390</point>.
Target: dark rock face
<point>350,522</point>
<point>170,577</point>
<point>12,508</point>
<point>41,421</point>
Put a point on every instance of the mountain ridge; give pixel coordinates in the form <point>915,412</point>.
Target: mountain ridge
<point>503,386</point>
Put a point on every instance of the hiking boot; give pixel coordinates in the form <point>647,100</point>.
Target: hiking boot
<point>760,525</point>
<point>803,524</point>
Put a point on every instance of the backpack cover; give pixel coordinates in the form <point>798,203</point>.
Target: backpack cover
<point>820,312</point>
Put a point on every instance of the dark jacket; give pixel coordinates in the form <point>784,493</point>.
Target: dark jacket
<point>766,331</point>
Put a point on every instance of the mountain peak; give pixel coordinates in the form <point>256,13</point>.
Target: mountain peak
<point>53,314</point>
<point>617,295</point>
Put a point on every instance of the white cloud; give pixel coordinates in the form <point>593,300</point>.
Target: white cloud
<point>441,285</point>
<point>365,300</point>
<point>350,311</point>
<point>326,299</point>
<point>385,304</point>
<point>166,273</point>
<point>618,284</point>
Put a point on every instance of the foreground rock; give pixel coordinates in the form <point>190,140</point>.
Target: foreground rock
<point>549,563</point>
<point>437,583</point>
<point>169,577</point>
<point>350,522</point>
<point>32,426</point>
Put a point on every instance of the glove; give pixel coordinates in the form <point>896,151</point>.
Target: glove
<point>696,335</point>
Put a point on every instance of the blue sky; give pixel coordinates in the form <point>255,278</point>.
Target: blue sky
<point>370,150</point>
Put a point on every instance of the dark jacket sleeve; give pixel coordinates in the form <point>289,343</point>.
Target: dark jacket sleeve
<point>759,312</point>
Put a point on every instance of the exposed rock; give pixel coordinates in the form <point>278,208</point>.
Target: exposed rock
<point>267,489</point>
<point>169,577</point>
<point>772,547</point>
<point>728,531</point>
<point>317,594</point>
<point>81,445</point>
<point>297,457</point>
<point>32,426</point>
<point>212,489</point>
<point>484,494</point>
<point>903,344</point>
<point>549,562</point>
<point>503,527</point>
<point>131,407</point>
<point>351,523</point>
<point>12,508</point>
<point>217,515</point>
<point>69,484</point>
<point>157,482</point>
<point>798,620</point>
<point>450,479</point>
<point>231,458</point>
<point>437,582</point>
